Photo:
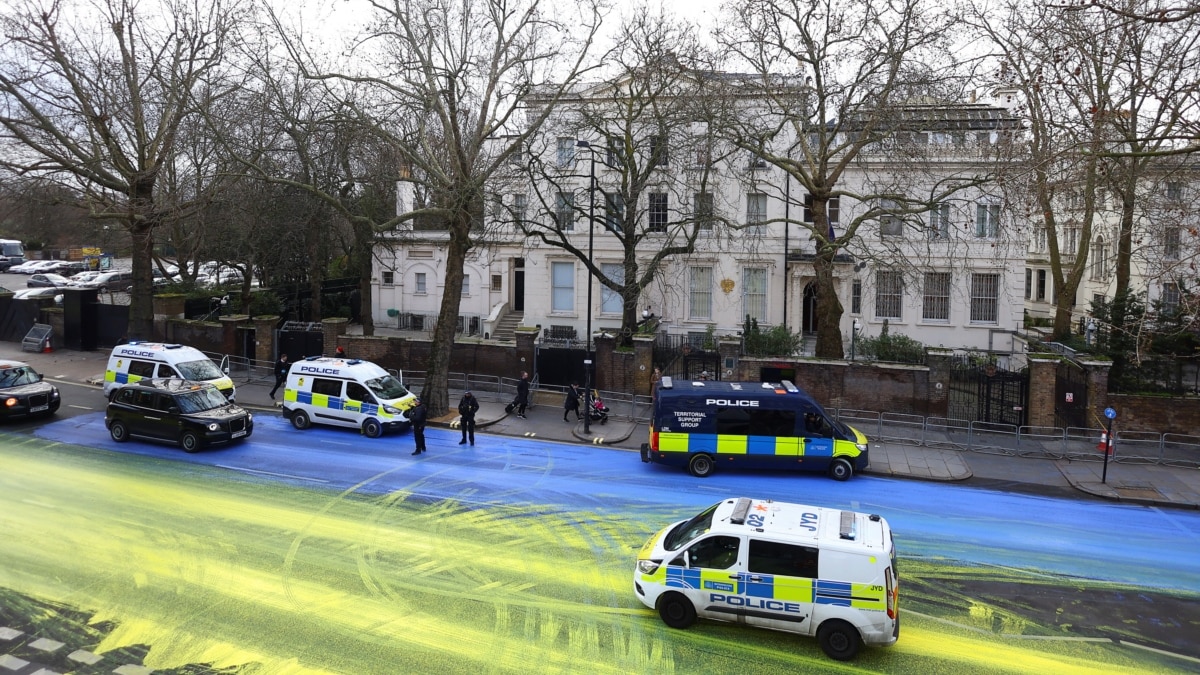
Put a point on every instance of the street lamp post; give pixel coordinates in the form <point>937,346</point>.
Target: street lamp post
<point>853,337</point>
<point>587,360</point>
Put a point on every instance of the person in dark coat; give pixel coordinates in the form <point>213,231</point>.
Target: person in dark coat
<point>281,373</point>
<point>340,352</point>
<point>522,394</point>
<point>467,407</point>
<point>417,415</point>
<point>572,403</point>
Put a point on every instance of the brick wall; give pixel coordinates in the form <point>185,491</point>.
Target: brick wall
<point>205,336</point>
<point>1158,414</point>
<point>861,386</point>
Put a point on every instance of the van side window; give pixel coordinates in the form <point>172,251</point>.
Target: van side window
<point>164,402</point>
<point>141,368</point>
<point>328,387</point>
<point>770,557</point>
<point>746,422</point>
<point>357,392</point>
<point>816,426</point>
<point>166,371</point>
<point>715,553</point>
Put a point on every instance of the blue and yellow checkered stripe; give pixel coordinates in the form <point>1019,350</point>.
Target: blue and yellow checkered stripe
<point>708,580</point>
<point>121,378</point>
<point>783,446</point>
<point>335,403</point>
<point>771,587</point>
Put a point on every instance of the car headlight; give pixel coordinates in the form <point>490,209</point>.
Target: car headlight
<point>648,566</point>
<point>54,393</point>
<point>862,447</point>
<point>213,426</point>
<point>392,411</point>
<point>249,417</point>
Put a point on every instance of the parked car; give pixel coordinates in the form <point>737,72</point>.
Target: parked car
<point>83,277</point>
<point>69,268</point>
<point>108,281</point>
<point>32,266</point>
<point>34,293</point>
<point>192,414</point>
<point>24,393</point>
<point>47,280</point>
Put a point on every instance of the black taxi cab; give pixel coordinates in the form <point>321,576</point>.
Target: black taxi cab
<point>192,414</point>
<point>24,393</point>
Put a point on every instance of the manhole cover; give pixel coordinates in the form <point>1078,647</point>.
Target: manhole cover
<point>1130,492</point>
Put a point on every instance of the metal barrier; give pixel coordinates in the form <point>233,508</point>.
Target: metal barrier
<point>1040,442</point>
<point>1182,451</point>
<point>903,429</point>
<point>1081,443</point>
<point>950,434</point>
<point>993,438</point>
<point>1137,447</point>
<point>866,421</point>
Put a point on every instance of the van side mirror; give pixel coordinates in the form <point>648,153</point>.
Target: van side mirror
<point>173,410</point>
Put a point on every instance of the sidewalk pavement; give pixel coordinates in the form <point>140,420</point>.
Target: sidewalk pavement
<point>1148,484</point>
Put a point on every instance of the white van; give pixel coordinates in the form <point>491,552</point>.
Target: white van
<point>345,393</point>
<point>138,360</point>
<point>801,569</point>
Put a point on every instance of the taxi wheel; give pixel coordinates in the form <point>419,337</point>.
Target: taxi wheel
<point>676,610</point>
<point>119,432</point>
<point>190,442</point>
<point>701,465</point>
<point>372,428</point>
<point>300,420</point>
<point>840,469</point>
<point>839,640</point>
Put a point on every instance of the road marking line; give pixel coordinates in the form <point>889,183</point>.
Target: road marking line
<point>269,473</point>
<point>81,407</point>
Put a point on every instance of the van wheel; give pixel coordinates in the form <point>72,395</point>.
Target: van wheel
<point>701,465</point>
<point>190,442</point>
<point>840,469</point>
<point>300,420</point>
<point>676,610</point>
<point>372,428</point>
<point>119,432</point>
<point>839,640</point>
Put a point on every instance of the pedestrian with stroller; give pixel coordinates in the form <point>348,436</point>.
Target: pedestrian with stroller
<point>571,404</point>
<point>522,394</point>
<point>281,373</point>
<point>467,407</point>
<point>417,416</point>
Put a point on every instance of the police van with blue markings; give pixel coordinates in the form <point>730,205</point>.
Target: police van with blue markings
<point>801,569</point>
<point>759,425</point>
<point>346,393</point>
<point>139,360</point>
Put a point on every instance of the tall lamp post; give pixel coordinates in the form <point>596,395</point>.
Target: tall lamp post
<point>854,325</point>
<point>587,359</point>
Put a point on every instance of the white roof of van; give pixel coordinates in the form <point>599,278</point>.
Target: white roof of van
<point>815,524</point>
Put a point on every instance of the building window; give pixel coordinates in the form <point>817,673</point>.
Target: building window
<point>856,297</point>
<point>987,220</point>
<point>700,292</point>
<point>610,300</point>
<point>756,161</point>
<point>421,288</point>
<point>939,221</point>
<point>832,208</point>
<point>562,287</point>
<point>985,298</point>
<point>890,225</point>
<point>658,212</point>
<point>466,289</point>
<point>658,151</point>
<point>1170,297</point>
<point>389,277</point>
<point>754,294</point>
<point>703,154</point>
<point>1039,239</point>
<point>497,207</point>
<point>615,153</point>
<point>497,283</point>
<point>520,205</point>
<point>889,294</point>
<point>1099,258</point>
<point>1041,285</point>
<point>756,210</point>
<point>702,208</point>
<point>1028,283</point>
<point>1071,243</point>
<point>936,305</point>
<point>564,211</point>
<point>565,156</point>
<point>614,212</point>
<point>1174,191</point>
<point>1171,243</point>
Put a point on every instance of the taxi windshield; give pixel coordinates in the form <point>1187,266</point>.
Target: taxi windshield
<point>201,370</point>
<point>686,532</point>
<point>201,399</point>
<point>15,377</point>
<point>387,387</point>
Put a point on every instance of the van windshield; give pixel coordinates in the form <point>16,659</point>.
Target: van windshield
<point>204,398</point>
<point>686,532</point>
<point>387,387</point>
<point>201,370</point>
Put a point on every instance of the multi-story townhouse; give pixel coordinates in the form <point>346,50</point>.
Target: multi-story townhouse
<point>946,274</point>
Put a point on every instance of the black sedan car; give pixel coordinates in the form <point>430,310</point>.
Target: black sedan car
<point>191,414</point>
<point>23,393</point>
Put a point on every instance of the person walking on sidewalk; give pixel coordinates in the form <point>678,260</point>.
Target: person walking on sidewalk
<point>522,394</point>
<point>467,407</point>
<point>417,415</point>
<point>281,373</point>
<point>571,404</point>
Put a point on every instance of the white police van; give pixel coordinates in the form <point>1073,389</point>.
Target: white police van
<point>139,360</point>
<point>345,393</point>
<point>802,569</point>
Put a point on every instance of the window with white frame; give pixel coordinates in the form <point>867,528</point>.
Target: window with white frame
<point>562,287</point>
<point>890,224</point>
<point>939,221</point>
<point>1039,239</point>
<point>1041,286</point>
<point>1174,191</point>
<point>755,161</point>
<point>615,153</point>
<point>832,208</point>
<point>987,220</point>
<point>497,207</point>
<point>497,283</point>
<point>756,210</point>
<point>754,293</point>
<point>564,211</point>
<point>1071,240</point>
<point>389,277</point>
<point>936,303</point>
<point>702,210</point>
<point>700,283</point>
<point>1028,283</point>
<point>520,206</point>
<point>1171,240</point>
<point>658,151</point>
<point>421,289</point>
<point>1099,260</point>
<point>565,157</point>
<point>985,298</point>
<point>610,300</point>
<point>889,294</point>
<point>657,213</point>
<point>856,297</point>
<point>466,289</point>
<point>1170,297</point>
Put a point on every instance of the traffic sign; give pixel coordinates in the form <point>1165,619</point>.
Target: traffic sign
<point>1110,413</point>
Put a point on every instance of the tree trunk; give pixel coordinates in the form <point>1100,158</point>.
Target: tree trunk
<point>829,314</point>
<point>141,299</point>
<point>436,394</point>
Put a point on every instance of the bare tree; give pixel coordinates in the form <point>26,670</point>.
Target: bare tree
<point>104,107</point>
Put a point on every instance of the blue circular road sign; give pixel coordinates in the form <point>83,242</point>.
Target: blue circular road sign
<point>1110,413</point>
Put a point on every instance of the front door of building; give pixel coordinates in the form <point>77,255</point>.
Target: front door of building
<point>518,299</point>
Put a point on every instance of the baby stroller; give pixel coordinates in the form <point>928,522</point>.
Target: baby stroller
<point>599,411</point>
